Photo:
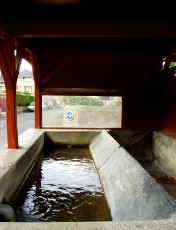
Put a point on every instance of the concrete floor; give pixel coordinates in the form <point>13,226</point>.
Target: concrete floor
<point>127,225</point>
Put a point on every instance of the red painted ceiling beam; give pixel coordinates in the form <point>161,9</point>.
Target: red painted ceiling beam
<point>5,29</point>
<point>89,55</point>
<point>28,29</point>
<point>57,70</point>
<point>4,66</point>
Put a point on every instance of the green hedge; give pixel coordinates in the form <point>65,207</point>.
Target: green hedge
<point>23,98</point>
<point>118,101</point>
<point>81,100</point>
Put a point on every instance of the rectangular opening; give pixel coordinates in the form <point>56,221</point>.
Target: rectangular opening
<point>81,111</point>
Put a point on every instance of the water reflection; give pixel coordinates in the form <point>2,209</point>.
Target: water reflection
<point>64,186</point>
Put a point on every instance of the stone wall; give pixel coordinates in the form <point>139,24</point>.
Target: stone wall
<point>164,149</point>
<point>93,117</point>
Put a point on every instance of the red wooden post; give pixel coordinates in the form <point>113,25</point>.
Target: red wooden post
<point>38,109</point>
<point>38,96</point>
<point>7,65</point>
<point>12,133</point>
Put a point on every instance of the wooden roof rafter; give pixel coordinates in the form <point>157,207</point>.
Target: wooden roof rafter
<point>57,70</point>
<point>4,66</point>
<point>52,29</point>
<point>18,59</point>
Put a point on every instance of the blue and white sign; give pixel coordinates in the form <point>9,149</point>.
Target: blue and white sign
<point>69,115</point>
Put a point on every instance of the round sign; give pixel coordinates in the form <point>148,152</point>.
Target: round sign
<point>69,115</point>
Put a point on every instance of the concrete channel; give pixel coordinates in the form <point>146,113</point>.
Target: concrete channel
<point>135,199</point>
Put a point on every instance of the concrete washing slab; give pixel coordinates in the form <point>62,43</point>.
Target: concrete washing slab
<point>107,156</point>
<point>131,193</point>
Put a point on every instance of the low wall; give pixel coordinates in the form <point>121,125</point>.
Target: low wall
<point>16,163</point>
<point>93,116</point>
<point>164,149</point>
<point>21,109</point>
<point>70,137</point>
<point>131,193</point>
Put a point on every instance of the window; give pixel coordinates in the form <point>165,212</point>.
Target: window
<point>82,111</point>
<point>28,89</point>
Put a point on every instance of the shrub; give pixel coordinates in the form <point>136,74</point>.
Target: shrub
<point>23,98</point>
<point>118,102</point>
<point>81,100</point>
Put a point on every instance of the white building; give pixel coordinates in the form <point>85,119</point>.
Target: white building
<point>25,82</point>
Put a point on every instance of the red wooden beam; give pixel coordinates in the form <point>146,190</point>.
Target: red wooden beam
<point>38,96</point>
<point>57,70</point>
<point>35,68</point>
<point>10,79</point>
<point>18,59</point>
<point>93,29</point>
<point>38,108</point>
<point>144,75</point>
<point>85,54</point>
<point>5,29</point>
<point>9,45</point>
<point>5,68</point>
<point>12,133</point>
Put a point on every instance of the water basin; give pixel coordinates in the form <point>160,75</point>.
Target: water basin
<point>63,186</point>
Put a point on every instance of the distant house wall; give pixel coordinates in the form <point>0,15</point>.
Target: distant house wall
<point>25,82</point>
<point>2,102</point>
<point>2,87</point>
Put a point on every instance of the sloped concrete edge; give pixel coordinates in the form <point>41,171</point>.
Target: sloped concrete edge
<point>15,164</point>
<point>131,193</point>
<point>102,147</point>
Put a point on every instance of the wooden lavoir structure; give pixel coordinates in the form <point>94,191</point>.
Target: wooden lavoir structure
<point>85,47</point>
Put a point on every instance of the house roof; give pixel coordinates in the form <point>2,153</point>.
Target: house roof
<point>25,73</point>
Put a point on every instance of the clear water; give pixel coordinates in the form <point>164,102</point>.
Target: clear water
<point>63,186</point>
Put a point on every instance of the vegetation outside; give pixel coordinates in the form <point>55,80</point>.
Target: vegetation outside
<point>23,98</point>
<point>86,100</point>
